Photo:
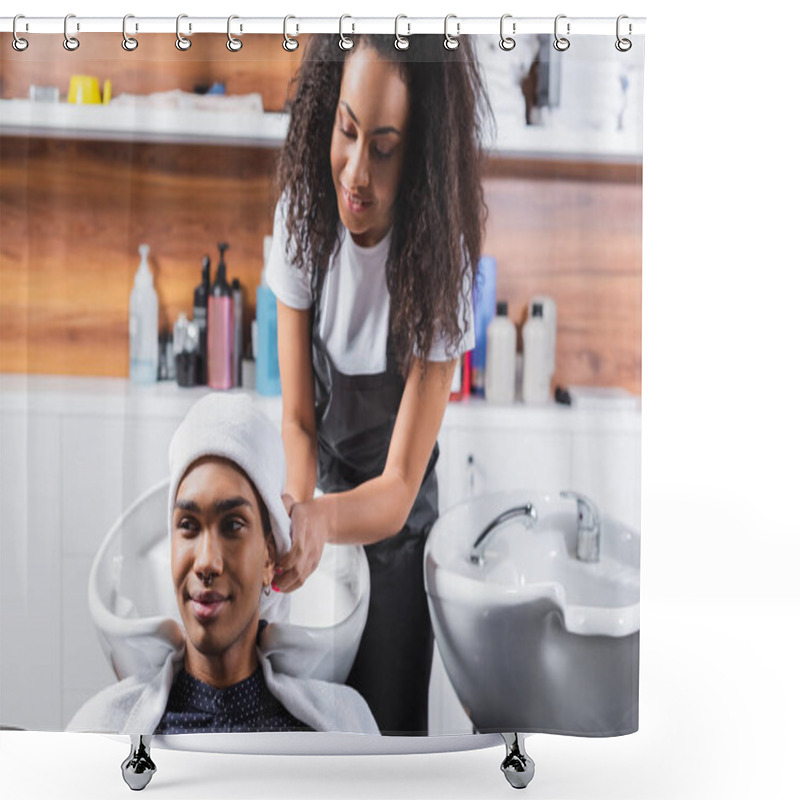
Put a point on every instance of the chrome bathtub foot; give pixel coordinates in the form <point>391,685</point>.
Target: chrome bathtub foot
<point>138,768</point>
<point>518,766</point>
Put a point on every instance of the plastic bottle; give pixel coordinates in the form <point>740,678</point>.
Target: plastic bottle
<point>200,314</point>
<point>238,332</point>
<point>484,297</point>
<point>143,324</point>
<point>536,371</point>
<point>220,328</point>
<point>501,355</point>
<point>268,377</point>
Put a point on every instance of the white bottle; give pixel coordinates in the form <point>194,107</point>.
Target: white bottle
<point>501,356</point>
<point>536,367</point>
<point>143,324</point>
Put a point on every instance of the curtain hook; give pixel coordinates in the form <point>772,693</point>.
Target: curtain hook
<point>623,45</point>
<point>70,42</point>
<point>561,43</point>
<point>401,42</point>
<point>233,44</point>
<point>289,44</point>
<point>18,43</point>
<point>507,42</point>
<point>345,42</point>
<point>182,43</point>
<point>451,42</point>
<point>128,42</point>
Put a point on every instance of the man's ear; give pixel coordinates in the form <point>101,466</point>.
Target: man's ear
<point>270,561</point>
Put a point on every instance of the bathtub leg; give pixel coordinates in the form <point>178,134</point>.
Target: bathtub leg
<point>518,766</point>
<point>138,768</point>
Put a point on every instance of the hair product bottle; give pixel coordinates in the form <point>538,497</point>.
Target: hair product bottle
<point>220,328</point>
<point>238,332</point>
<point>265,347</point>
<point>536,374</point>
<point>483,303</point>
<point>200,315</point>
<point>143,324</point>
<point>501,356</point>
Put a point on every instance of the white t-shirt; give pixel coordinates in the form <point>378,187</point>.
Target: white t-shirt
<point>354,303</point>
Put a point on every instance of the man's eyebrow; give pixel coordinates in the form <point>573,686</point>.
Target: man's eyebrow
<point>377,131</point>
<point>221,506</point>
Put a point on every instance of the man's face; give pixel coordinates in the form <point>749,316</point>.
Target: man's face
<point>220,558</point>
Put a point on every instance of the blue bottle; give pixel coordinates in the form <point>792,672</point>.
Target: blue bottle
<point>268,377</point>
<point>483,304</point>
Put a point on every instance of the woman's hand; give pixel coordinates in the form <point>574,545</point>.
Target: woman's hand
<point>310,530</point>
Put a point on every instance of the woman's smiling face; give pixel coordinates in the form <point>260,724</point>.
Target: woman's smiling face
<point>368,144</point>
<point>220,558</point>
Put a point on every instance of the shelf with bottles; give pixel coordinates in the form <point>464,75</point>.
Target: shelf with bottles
<point>268,129</point>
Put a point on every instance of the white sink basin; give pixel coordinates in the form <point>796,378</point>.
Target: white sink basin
<point>534,639</point>
<point>133,607</point>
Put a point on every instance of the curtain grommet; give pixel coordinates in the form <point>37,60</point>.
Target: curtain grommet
<point>401,42</point>
<point>18,43</point>
<point>129,43</point>
<point>451,42</point>
<point>290,44</point>
<point>507,42</point>
<point>233,44</point>
<point>561,43</point>
<point>182,43</point>
<point>345,42</point>
<point>623,44</point>
<point>71,43</point>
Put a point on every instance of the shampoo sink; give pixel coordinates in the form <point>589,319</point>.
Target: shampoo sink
<point>530,635</point>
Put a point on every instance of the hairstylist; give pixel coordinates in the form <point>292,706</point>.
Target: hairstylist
<point>376,237</point>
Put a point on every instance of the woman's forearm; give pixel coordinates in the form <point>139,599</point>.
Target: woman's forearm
<point>301,461</point>
<point>375,510</point>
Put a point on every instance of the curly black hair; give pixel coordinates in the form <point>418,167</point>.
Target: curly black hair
<point>439,212</point>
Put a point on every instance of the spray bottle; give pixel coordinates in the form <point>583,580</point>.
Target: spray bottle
<point>268,378</point>
<point>220,328</point>
<point>143,324</point>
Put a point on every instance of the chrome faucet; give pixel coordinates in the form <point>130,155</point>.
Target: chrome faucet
<point>588,527</point>
<point>476,554</point>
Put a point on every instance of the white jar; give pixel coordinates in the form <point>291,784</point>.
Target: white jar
<point>501,356</point>
<point>536,366</point>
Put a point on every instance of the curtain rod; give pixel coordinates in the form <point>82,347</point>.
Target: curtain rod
<point>294,25</point>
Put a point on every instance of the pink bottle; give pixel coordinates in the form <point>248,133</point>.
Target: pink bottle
<point>220,328</point>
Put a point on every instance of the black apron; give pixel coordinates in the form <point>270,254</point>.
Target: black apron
<point>355,416</point>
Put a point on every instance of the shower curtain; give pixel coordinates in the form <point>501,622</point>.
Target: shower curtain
<point>199,153</point>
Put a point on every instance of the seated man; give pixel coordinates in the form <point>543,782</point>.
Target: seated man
<point>228,527</point>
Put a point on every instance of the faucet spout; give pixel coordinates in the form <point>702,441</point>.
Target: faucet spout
<point>588,527</point>
<point>476,554</point>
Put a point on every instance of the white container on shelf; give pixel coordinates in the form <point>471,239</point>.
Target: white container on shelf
<point>501,356</point>
<point>143,324</point>
<point>538,357</point>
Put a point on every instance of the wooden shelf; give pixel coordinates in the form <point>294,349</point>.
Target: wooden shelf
<point>136,124</point>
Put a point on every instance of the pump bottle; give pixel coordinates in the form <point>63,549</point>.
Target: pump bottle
<point>220,328</point>
<point>143,324</point>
